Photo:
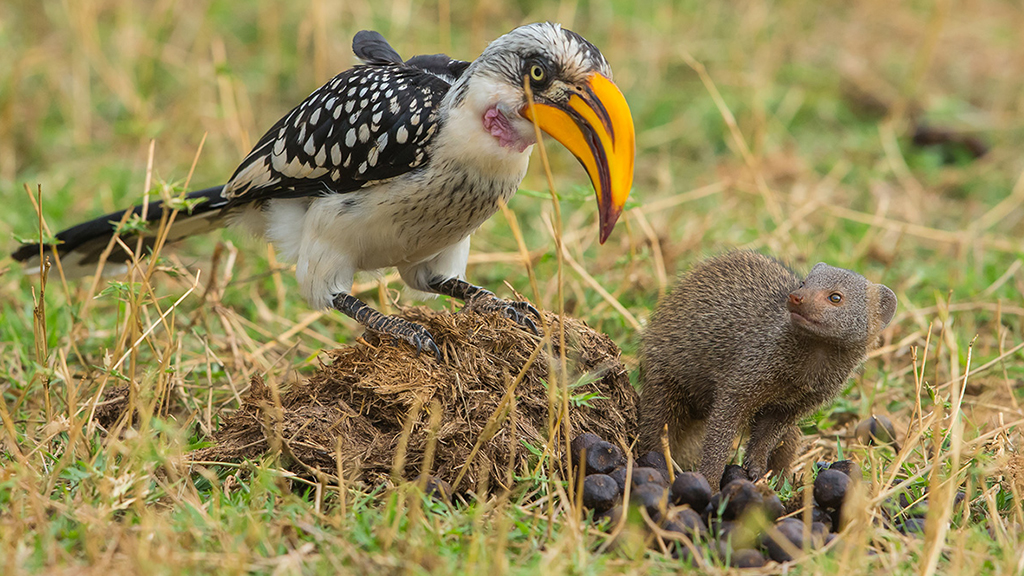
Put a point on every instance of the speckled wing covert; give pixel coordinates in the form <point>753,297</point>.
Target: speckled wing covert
<point>369,123</point>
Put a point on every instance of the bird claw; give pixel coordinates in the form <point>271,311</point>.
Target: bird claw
<point>517,311</point>
<point>425,340</point>
<point>413,334</point>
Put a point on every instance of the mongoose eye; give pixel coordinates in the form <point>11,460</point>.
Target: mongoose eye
<point>835,298</point>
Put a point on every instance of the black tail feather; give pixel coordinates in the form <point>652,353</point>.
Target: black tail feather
<point>370,47</point>
<point>81,245</point>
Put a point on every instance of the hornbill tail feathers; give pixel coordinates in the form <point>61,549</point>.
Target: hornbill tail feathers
<point>370,47</point>
<point>80,246</point>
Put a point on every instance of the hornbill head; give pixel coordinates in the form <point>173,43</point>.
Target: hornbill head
<point>575,101</point>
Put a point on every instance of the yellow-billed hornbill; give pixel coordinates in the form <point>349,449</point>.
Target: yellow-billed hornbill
<point>396,163</point>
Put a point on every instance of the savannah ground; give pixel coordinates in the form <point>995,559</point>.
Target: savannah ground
<point>785,127</point>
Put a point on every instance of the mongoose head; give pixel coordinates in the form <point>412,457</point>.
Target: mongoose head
<point>842,306</point>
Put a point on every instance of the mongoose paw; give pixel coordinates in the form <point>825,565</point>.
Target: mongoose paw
<point>757,473</point>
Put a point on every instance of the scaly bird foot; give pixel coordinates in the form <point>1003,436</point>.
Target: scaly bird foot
<point>517,311</point>
<point>418,336</point>
<point>485,301</point>
<point>397,328</point>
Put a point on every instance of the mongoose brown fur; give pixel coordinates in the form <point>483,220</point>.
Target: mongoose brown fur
<point>742,342</point>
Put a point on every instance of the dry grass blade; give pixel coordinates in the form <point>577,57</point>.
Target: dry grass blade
<point>784,116</point>
<point>774,210</point>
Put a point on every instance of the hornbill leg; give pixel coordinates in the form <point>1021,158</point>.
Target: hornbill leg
<point>391,325</point>
<point>518,312</point>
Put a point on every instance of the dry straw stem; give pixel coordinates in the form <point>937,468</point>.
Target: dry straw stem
<point>915,436</point>
<point>501,412</point>
<point>770,201</point>
<point>594,284</point>
<point>561,373</point>
<point>967,238</point>
<point>524,256</point>
<point>652,239</point>
<point>937,523</point>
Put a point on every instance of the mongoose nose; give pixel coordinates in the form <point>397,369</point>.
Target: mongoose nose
<point>795,299</point>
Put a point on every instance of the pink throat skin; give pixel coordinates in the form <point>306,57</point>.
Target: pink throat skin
<point>499,126</point>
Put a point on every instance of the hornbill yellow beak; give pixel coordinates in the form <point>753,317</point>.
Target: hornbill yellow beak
<point>595,125</point>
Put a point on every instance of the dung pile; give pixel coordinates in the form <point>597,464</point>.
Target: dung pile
<point>360,401</point>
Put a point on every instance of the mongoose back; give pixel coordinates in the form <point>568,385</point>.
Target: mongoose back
<point>742,342</point>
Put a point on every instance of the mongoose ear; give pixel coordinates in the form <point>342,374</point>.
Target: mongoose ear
<point>886,304</point>
<point>819,267</point>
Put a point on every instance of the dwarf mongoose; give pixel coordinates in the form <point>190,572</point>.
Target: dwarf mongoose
<point>742,342</point>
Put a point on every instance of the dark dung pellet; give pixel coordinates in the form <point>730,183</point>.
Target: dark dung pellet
<point>736,535</point>
<point>732,472</point>
<point>739,496</point>
<point>652,497</point>
<point>819,530</point>
<point>654,460</point>
<point>582,442</point>
<point>848,467</point>
<point>612,515</point>
<point>773,507</point>
<point>819,514</point>
<point>747,558</point>
<point>959,498</point>
<point>686,521</point>
<point>877,429</point>
<point>600,492</point>
<point>830,488</point>
<point>603,457</point>
<point>619,475</point>
<point>438,489</point>
<point>648,476</point>
<point>692,489</point>
<point>791,530</point>
<point>913,526</point>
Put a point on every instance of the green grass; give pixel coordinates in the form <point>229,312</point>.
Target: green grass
<point>86,87</point>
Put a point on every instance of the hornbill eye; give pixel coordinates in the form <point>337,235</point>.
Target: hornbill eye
<point>835,297</point>
<point>538,75</point>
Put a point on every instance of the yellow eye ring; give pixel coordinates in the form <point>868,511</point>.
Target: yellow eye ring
<point>835,297</point>
<point>536,73</point>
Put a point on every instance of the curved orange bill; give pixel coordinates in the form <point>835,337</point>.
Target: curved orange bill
<point>596,126</point>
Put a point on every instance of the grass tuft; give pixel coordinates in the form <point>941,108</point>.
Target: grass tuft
<point>787,128</point>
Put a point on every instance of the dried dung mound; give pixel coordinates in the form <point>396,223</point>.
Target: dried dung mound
<point>114,403</point>
<point>361,400</point>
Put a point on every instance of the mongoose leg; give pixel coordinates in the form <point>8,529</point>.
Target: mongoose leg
<point>765,434</point>
<point>724,424</point>
<point>685,443</point>
<point>653,421</point>
<point>781,457</point>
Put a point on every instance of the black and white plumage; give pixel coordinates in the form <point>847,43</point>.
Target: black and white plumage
<point>396,163</point>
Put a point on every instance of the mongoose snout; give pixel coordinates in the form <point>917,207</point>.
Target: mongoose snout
<point>806,305</point>
<point>742,343</point>
<point>798,313</point>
